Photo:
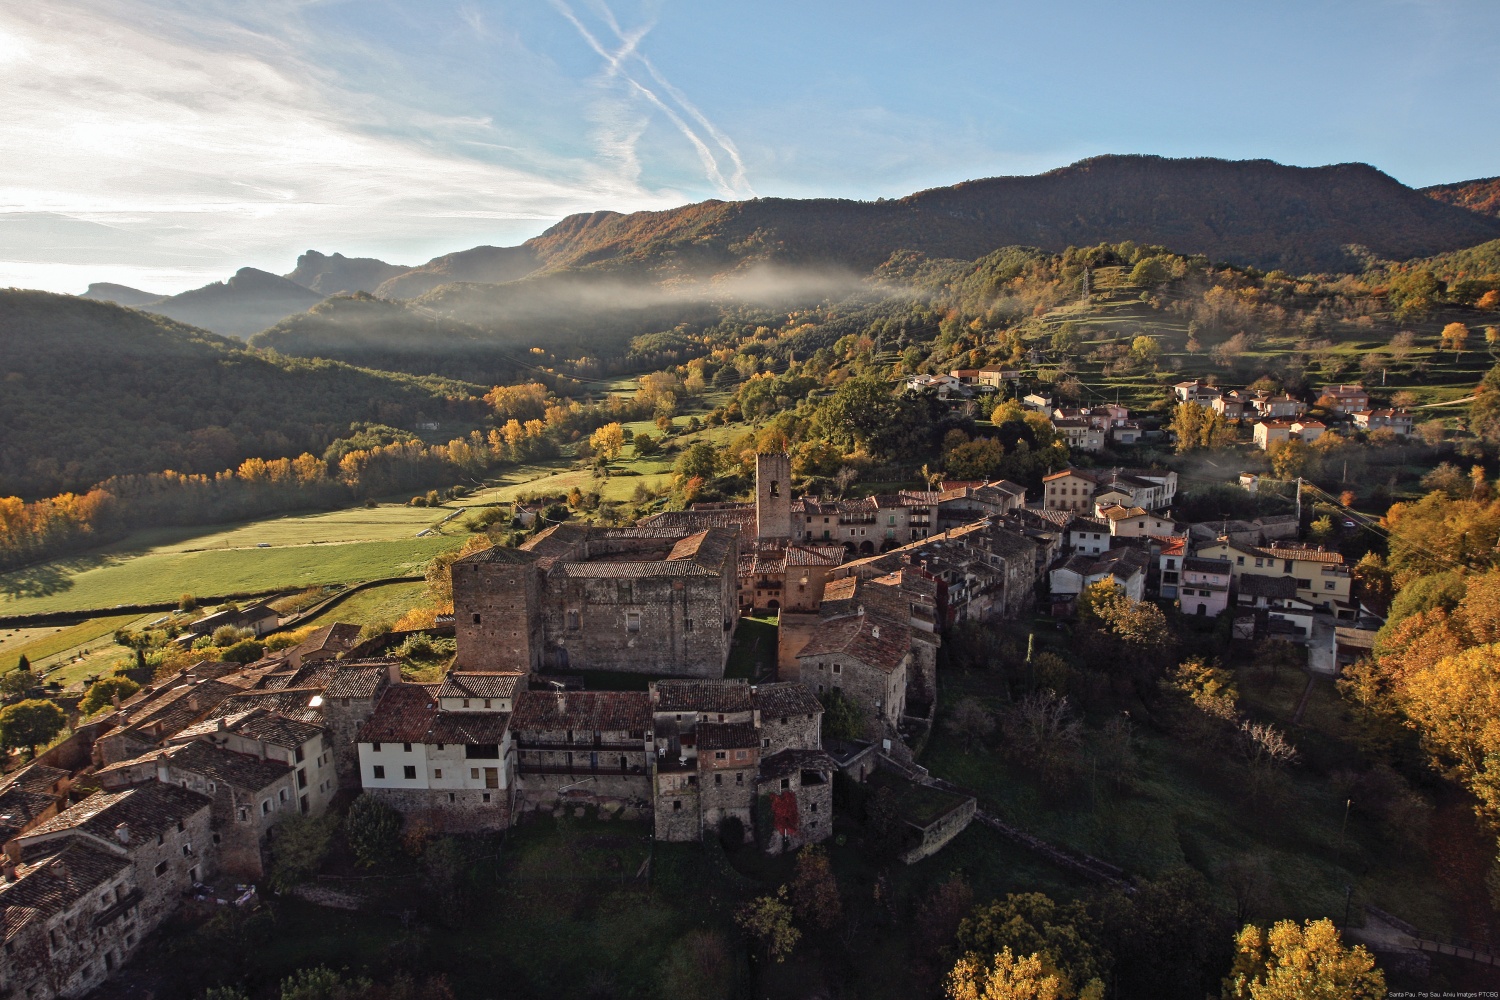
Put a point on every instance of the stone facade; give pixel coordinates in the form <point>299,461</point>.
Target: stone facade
<point>644,600</point>
<point>83,889</point>
<point>584,748</point>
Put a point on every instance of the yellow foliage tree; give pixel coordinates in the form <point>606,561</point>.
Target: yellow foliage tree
<point>1006,978</point>
<point>1455,337</point>
<point>1301,962</point>
<point>608,441</point>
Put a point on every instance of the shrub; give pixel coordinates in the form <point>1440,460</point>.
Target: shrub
<point>373,830</point>
<point>102,692</point>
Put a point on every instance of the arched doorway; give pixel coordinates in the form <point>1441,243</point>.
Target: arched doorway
<point>866,549</point>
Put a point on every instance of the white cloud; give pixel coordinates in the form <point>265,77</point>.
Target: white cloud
<point>202,145</point>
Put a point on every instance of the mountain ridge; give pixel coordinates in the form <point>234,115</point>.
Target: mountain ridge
<point>1249,212</point>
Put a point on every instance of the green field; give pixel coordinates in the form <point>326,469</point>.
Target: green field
<point>38,645</point>
<point>377,604</point>
<point>125,576</point>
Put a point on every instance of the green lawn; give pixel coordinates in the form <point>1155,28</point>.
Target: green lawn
<point>124,576</point>
<point>385,603</point>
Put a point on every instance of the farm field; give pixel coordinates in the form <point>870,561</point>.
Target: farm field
<point>138,577</point>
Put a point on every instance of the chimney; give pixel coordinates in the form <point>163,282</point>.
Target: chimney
<point>221,725</point>
<point>393,671</point>
<point>115,698</point>
<point>8,870</point>
<point>122,833</point>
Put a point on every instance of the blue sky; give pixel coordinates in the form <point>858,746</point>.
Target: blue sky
<point>164,144</point>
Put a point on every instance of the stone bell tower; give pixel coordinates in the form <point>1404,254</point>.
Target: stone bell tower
<point>773,495</point>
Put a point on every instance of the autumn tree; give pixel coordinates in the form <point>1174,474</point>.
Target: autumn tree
<point>1200,427</point>
<point>1145,350</point>
<point>815,892</point>
<point>1455,337</point>
<point>1295,961</point>
<point>1006,977</point>
<point>970,723</point>
<point>608,441</point>
<point>768,920</point>
<point>1063,937</point>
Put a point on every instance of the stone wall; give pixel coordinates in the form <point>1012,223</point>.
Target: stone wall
<point>814,813</point>
<point>342,717</point>
<point>937,833</point>
<point>727,791</point>
<point>798,732</point>
<point>460,810</point>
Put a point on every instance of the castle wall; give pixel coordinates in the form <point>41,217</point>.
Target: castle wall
<point>663,625</point>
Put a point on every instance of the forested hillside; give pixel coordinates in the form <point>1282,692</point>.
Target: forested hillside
<point>1481,196</point>
<point>1247,212</point>
<point>93,390</point>
<point>487,264</point>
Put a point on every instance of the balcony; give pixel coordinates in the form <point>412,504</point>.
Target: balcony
<point>580,769</point>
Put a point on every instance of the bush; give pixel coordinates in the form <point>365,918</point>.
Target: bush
<point>373,830</point>
<point>244,651</point>
<point>298,847</point>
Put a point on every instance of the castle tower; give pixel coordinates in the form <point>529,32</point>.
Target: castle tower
<point>773,496</point>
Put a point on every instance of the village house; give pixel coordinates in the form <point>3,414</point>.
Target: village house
<point>1195,391</point>
<point>1235,404</point>
<point>1079,489</point>
<point>1173,551</point>
<point>255,618</point>
<point>31,796</point>
<point>1088,535</point>
<point>1079,433</point>
<point>995,376</point>
<point>82,890</point>
<point>1344,398</point>
<point>865,655</point>
<point>1269,406</point>
<point>1137,522</point>
<point>1274,603</point>
<point>584,748</point>
<point>1126,566</point>
<point>1269,433</point>
<point>1308,430</point>
<point>1398,421</point>
<point>1322,579</point>
<point>1205,586</point>
<point>451,767</point>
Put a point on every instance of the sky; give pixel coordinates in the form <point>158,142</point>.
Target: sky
<point>164,144</point>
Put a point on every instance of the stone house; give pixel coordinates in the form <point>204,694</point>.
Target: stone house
<point>797,786</point>
<point>866,656</point>
<point>30,797</point>
<point>249,795</point>
<point>83,889</point>
<point>326,643</point>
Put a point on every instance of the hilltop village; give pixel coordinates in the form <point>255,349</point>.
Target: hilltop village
<point>194,772</point>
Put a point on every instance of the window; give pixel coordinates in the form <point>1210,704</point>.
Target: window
<point>786,783</point>
<point>452,797</point>
<point>687,624</point>
<point>160,839</point>
<point>476,619</point>
<point>741,754</point>
<point>409,772</point>
<point>1239,560</point>
<point>838,668</point>
<point>482,751</point>
<point>282,795</point>
<point>437,772</point>
<point>301,779</point>
<point>466,703</point>
<point>720,755</point>
<point>1328,585</point>
<point>474,773</point>
<point>298,755</point>
<point>161,868</point>
<point>380,771</point>
<point>632,621</point>
<point>485,797</point>
<point>718,779</point>
<point>187,850</point>
<point>676,805</point>
<point>739,777</point>
<point>375,747</point>
<point>572,619</point>
<point>406,748</point>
